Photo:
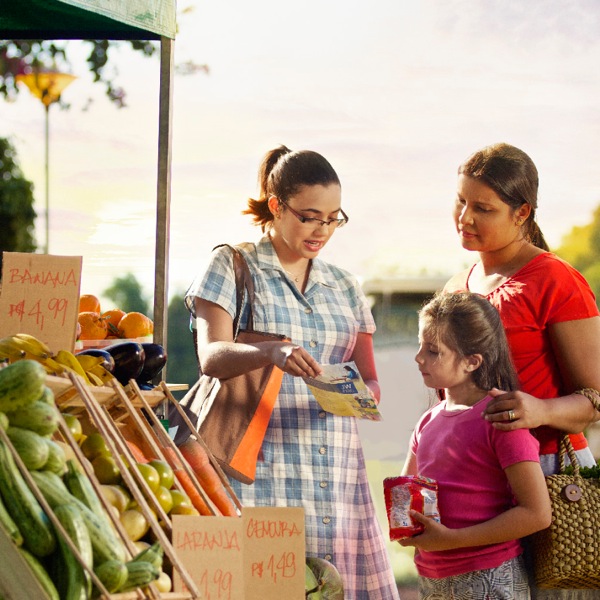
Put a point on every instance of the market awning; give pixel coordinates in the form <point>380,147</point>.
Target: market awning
<point>88,19</point>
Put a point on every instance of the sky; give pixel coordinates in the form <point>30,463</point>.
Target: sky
<point>394,93</point>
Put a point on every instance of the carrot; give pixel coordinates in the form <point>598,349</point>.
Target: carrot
<point>137,452</point>
<point>196,456</point>
<point>186,483</point>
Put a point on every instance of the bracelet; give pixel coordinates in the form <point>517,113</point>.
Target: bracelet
<point>592,395</point>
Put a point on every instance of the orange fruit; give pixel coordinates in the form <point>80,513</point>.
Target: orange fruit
<point>89,303</point>
<point>136,325</point>
<point>93,326</point>
<point>113,316</point>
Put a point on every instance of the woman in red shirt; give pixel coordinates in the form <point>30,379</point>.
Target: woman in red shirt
<point>547,308</point>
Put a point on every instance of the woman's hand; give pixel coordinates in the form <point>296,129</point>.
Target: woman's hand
<point>515,410</point>
<point>435,536</point>
<point>294,359</point>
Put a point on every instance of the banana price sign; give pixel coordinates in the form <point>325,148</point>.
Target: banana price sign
<point>40,296</point>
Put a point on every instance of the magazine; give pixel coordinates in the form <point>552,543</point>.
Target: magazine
<point>341,390</point>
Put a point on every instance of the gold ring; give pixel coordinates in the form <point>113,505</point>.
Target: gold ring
<point>511,415</point>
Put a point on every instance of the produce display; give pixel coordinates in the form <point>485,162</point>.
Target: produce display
<point>87,495</point>
<point>29,422</point>
<point>121,361</point>
<point>96,324</point>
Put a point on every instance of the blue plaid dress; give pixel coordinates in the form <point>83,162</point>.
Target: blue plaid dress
<point>311,458</point>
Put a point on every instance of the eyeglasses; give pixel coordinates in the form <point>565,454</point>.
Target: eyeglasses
<point>314,221</point>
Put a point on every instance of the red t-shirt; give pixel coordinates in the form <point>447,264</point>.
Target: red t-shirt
<point>545,291</point>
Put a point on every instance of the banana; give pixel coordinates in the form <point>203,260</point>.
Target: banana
<point>36,346</point>
<point>94,379</point>
<point>68,360</point>
<point>87,361</point>
<point>10,350</point>
<point>52,366</point>
<point>101,373</point>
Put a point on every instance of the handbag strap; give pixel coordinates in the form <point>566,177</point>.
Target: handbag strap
<point>565,445</point>
<point>244,285</point>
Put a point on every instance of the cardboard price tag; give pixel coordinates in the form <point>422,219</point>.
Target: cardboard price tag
<point>40,296</point>
<point>260,556</point>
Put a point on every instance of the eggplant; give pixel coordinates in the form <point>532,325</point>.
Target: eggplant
<point>108,362</point>
<point>154,361</point>
<point>129,360</point>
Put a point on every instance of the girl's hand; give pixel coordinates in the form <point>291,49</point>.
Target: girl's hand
<point>514,410</point>
<point>294,359</point>
<point>435,536</point>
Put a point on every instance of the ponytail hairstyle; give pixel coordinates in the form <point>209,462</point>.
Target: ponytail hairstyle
<point>469,324</point>
<point>283,173</point>
<point>514,177</point>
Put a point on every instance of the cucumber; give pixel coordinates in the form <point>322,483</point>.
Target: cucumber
<point>37,416</point>
<point>105,543</point>
<point>23,507</point>
<point>21,383</point>
<point>30,446</point>
<point>40,574</point>
<point>74,582</point>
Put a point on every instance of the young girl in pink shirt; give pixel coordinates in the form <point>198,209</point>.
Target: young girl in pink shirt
<point>491,489</point>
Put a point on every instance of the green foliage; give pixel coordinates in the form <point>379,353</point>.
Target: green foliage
<point>581,248</point>
<point>182,365</point>
<point>126,293</point>
<point>17,215</point>
<point>23,56</point>
<point>575,247</point>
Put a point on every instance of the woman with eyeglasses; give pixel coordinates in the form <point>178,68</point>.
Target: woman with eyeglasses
<point>548,309</point>
<point>309,458</point>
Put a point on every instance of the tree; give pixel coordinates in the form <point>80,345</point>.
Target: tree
<point>17,215</point>
<point>581,248</point>
<point>24,56</point>
<point>127,294</point>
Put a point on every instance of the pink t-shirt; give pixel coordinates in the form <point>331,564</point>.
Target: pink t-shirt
<point>467,457</point>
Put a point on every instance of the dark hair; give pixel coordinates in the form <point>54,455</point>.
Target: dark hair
<point>282,173</point>
<point>513,176</point>
<point>469,324</point>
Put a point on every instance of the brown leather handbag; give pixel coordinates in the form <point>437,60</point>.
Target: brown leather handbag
<point>231,415</point>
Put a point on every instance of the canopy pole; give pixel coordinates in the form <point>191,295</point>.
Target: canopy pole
<point>163,204</point>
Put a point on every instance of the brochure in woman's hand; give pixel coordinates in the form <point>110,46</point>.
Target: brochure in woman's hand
<point>340,390</point>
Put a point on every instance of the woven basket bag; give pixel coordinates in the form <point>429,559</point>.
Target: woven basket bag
<point>567,554</point>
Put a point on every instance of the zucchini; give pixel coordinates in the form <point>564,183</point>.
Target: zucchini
<point>9,525</point>
<point>57,460</point>
<point>24,508</point>
<point>153,554</point>
<point>21,383</point>
<point>113,575</point>
<point>139,574</point>
<point>30,446</point>
<point>74,582</point>
<point>40,574</point>
<point>81,487</point>
<point>37,416</point>
<point>105,543</point>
